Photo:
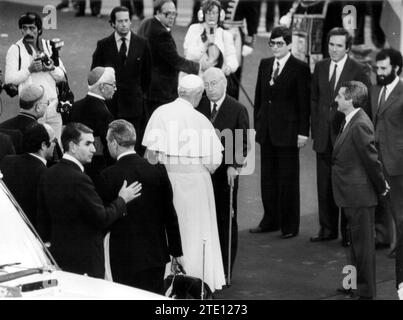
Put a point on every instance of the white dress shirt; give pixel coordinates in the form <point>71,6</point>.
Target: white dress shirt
<point>218,103</point>
<point>125,154</point>
<point>38,157</point>
<point>350,116</point>
<point>340,67</point>
<point>281,62</point>
<point>118,40</point>
<point>389,89</point>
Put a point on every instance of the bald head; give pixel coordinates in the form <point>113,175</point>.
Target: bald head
<point>215,83</point>
<point>30,95</point>
<point>191,89</point>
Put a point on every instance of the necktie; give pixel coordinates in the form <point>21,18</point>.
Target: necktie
<point>276,72</point>
<point>214,112</point>
<point>382,99</point>
<point>333,79</point>
<point>122,50</point>
<point>343,123</point>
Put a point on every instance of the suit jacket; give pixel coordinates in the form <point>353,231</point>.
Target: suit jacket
<point>166,61</point>
<point>72,217</point>
<point>132,78</point>
<point>281,111</point>
<point>357,176</point>
<point>324,114</point>
<point>6,145</point>
<point>230,116</point>
<point>94,113</point>
<point>150,232</point>
<point>388,128</point>
<point>21,176</point>
<point>15,127</point>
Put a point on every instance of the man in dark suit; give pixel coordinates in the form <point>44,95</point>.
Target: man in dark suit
<point>22,172</point>
<point>281,113</point>
<point>141,242</point>
<point>33,104</point>
<point>71,214</point>
<point>130,56</point>
<point>6,145</point>
<point>94,113</point>
<point>357,180</point>
<point>166,61</point>
<point>228,117</point>
<point>325,123</point>
<point>387,106</point>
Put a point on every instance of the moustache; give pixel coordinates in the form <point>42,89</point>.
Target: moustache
<point>28,37</point>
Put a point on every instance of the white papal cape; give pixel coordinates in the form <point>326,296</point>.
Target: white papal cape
<point>190,148</point>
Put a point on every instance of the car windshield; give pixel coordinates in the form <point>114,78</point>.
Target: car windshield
<point>18,244</point>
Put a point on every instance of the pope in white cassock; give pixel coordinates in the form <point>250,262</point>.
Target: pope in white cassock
<point>185,141</point>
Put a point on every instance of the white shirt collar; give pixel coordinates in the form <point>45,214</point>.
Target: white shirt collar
<point>350,116</point>
<point>218,103</point>
<point>96,95</point>
<point>72,159</point>
<point>126,153</point>
<point>38,157</point>
<point>127,37</point>
<point>390,87</point>
<point>282,61</point>
<point>340,66</point>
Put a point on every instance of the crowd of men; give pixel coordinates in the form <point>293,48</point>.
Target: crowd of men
<point>174,201</point>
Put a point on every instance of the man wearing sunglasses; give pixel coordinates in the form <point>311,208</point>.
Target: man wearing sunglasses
<point>166,61</point>
<point>281,114</point>
<point>94,113</point>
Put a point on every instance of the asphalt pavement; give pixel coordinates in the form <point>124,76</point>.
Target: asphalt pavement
<point>266,266</point>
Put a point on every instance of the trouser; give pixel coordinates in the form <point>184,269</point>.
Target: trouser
<point>280,188</point>
<point>134,6</point>
<point>362,249</point>
<point>95,6</point>
<point>328,210</point>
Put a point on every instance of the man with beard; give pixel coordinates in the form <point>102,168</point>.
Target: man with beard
<point>387,110</point>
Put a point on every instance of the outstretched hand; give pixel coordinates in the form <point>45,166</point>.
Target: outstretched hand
<point>128,193</point>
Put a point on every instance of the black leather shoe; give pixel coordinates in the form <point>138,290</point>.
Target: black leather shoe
<point>345,243</point>
<point>344,291</point>
<point>288,235</point>
<point>322,238</point>
<point>259,229</point>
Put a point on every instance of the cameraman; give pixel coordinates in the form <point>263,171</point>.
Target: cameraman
<point>35,60</point>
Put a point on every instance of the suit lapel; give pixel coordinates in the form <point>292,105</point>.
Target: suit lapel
<point>396,92</point>
<point>344,75</point>
<point>342,136</point>
<point>374,102</point>
<point>221,111</point>
<point>132,49</point>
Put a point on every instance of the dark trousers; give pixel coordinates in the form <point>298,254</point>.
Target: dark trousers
<point>378,36</point>
<point>362,249</point>
<point>395,201</point>
<point>95,6</point>
<point>283,6</point>
<point>222,198</point>
<point>280,188</point>
<point>134,6</point>
<point>151,279</point>
<point>328,210</point>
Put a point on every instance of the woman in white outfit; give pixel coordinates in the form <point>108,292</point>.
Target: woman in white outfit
<point>208,43</point>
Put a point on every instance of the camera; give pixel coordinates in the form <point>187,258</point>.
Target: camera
<point>11,89</point>
<point>44,59</point>
<point>56,44</point>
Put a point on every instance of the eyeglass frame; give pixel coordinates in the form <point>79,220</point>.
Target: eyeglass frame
<point>278,44</point>
<point>170,13</point>
<point>113,85</point>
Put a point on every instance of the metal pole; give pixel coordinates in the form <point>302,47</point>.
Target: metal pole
<point>204,251</point>
<point>231,213</point>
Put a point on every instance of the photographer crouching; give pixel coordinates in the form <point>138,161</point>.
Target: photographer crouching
<point>35,60</point>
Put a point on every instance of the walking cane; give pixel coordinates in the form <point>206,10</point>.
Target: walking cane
<point>231,214</point>
<point>202,287</point>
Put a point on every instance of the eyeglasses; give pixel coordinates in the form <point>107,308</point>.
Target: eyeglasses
<point>278,44</point>
<point>110,84</point>
<point>45,103</point>
<point>172,14</point>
